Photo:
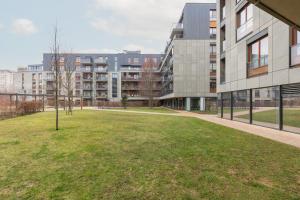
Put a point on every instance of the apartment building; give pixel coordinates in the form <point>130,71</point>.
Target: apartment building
<point>104,77</point>
<point>258,67</point>
<point>30,80</point>
<point>189,65</point>
<point>7,81</point>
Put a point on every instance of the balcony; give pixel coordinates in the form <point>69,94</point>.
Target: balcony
<point>87,87</point>
<point>223,14</point>
<point>83,69</point>
<point>131,69</point>
<point>101,96</point>
<point>213,35</point>
<point>213,55</point>
<point>50,87</point>
<point>130,87</point>
<point>177,31</point>
<point>100,61</point>
<point>212,73</point>
<point>223,48</point>
<point>101,87</point>
<point>100,69</point>
<point>87,96</point>
<point>86,61</point>
<point>295,55</point>
<point>102,78</point>
<point>87,78</point>
<point>244,29</point>
<point>126,78</point>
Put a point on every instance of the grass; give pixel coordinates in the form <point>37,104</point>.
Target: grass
<point>147,109</point>
<point>290,117</point>
<point>108,155</point>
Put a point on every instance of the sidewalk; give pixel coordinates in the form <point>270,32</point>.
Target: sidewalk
<point>276,135</point>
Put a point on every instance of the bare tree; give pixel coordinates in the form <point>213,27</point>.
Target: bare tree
<point>55,52</point>
<point>148,83</point>
<point>68,81</point>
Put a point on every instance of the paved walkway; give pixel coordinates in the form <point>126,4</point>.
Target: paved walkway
<point>276,135</point>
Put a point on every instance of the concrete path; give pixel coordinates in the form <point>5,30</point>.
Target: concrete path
<point>276,135</point>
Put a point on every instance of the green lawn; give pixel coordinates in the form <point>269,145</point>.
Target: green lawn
<point>290,117</point>
<point>109,155</point>
<point>147,109</point>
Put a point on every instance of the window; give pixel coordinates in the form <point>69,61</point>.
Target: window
<point>244,21</point>
<point>78,59</point>
<point>213,14</point>
<point>258,53</point>
<point>213,66</point>
<point>114,85</point>
<point>222,71</point>
<point>61,59</point>
<point>212,32</point>
<point>213,49</point>
<point>295,47</point>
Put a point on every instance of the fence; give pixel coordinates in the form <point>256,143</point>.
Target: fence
<point>12,105</point>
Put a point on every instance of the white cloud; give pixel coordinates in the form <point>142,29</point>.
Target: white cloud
<point>147,19</point>
<point>24,27</point>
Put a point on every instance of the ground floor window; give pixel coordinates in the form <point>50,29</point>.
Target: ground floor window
<point>241,105</point>
<point>274,107</point>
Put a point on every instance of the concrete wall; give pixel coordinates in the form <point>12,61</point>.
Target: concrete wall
<point>191,68</point>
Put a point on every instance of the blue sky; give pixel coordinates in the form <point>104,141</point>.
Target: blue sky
<point>26,27</point>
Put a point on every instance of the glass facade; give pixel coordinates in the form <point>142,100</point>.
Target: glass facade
<point>266,107</point>
<point>226,101</point>
<point>291,107</point>
<point>274,107</point>
<point>241,105</point>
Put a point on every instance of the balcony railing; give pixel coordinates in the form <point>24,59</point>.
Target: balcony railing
<point>100,69</point>
<point>101,96</point>
<point>133,69</point>
<point>101,78</point>
<point>100,61</point>
<point>87,88</point>
<point>177,30</point>
<point>101,87</point>
<point>124,78</point>
<point>213,36</point>
<point>223,15</point>
<point>295,55</point>
<point>87,78</point>
<point>244,29</point>
<point>223,46</point>
<point>86,69</point>
<point>86,61</point>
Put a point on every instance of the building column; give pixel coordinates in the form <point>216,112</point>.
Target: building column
<point>188,104</point>
<point>202,104</point>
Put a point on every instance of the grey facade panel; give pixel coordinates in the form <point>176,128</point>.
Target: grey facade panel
<point>196,20</point>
